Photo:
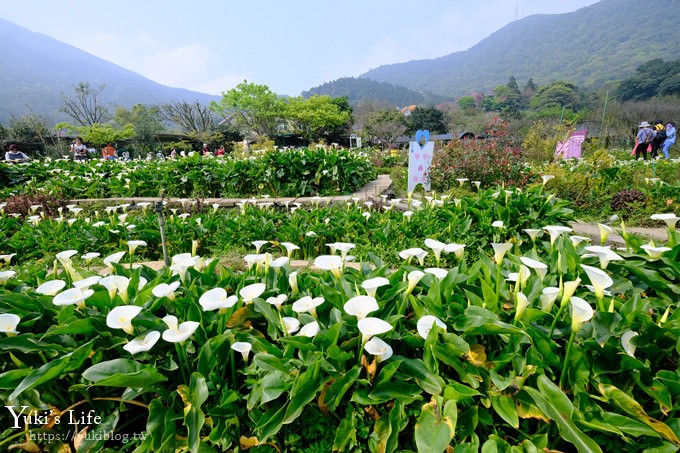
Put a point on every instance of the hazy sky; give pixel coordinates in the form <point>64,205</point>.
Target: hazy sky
<point>290,46</point>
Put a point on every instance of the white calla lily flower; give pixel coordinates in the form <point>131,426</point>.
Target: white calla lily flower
<point>521,304</point>
<point>178,333</point>
<point>121,317</point>
<point>143,343</point>
<point>114,258</point>
<point>568,290</point>
<point>51,288</point>
<point>331,263</point>
<point>250,292</point>
<point>277,301</point>
<point>548,297</point>
<point>438,272</point>
<point>555,231</point>
<point>307,304</point>
<point>627,342</point>
<point>9,323</point>
<point>600,280</point>
<point>372,326</point>
<point>499,251</point>
<point>361,306</point>
<point>670,219</point>
<point>87,282</point>
<point>132,245</point>
<point>655,252</point>
<point>73,296</point>
<point>216,299</point>
<point>309,330</point>
<point>540,268</point>
<point>605,254</point>
<point>292,325</point>
<point>166,290</point>
<point>426,323</point>
<point>243,347</point>
<point>581,312</point>
<point>413,278</point>
<point>372,284</point>
<point>378,348</point>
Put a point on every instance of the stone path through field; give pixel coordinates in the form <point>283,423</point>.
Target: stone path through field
<point>374,190</point>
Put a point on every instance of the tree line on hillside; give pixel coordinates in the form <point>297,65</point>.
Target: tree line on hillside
<point>255,112</point>
<point>358,89</point>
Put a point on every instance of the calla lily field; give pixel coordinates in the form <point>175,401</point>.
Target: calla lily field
<point>467,323</point>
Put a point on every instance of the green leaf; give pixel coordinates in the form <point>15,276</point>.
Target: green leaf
<point>123,373</point>
<point>96,438</point>
<point>193,397</point>
<point>75,327</point>
<point>480,321</point>
<point>428,381</point>
<point>605,325</point>
<point>274,384</point>
<point>52,370</point>
<point>505,407</point>
<point>436,425</point>
<point>626,403</point>
<point>345,433</point>
<point>555,405</point>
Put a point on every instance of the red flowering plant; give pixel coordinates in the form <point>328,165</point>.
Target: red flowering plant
<point>493,159</point>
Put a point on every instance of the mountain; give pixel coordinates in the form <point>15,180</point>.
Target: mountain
<point>357,89</point>
<point>594,45</point>
<point>36,69</point>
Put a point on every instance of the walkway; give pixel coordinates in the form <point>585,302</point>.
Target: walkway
<point>374,189</point>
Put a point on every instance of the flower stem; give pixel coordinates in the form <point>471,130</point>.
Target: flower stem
<point>554,323</point>
<point>563,376</point>
<point>184,361</point>
<point>233,368</point>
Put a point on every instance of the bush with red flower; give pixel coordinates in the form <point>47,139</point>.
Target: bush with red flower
<point>491,160</point>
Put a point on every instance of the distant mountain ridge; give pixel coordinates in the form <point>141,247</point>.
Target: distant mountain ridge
<point>594,45</point>
<point>36,68</point>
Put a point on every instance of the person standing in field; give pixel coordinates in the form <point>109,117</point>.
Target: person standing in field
<point>644,138</point>
<point>79,149</point>
<point>659,137</point>
<point>670,139</point>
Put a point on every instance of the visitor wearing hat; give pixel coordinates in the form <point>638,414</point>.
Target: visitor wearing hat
<point>659,137</point>
<point>643,139</point>
<point>14,156</point>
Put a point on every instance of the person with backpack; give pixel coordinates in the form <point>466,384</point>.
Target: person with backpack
<point>644,139</point>
<point>659,137</point>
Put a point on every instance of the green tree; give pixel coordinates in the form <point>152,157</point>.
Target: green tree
<point>146,121</point>
<point>467,103</point>
<point>508,98</point>
<point>384,126</point>
<point>314,118</point>
<point>427,118</point>
<point>28,128</point>
<point>85,107</point>
<point>557,94</point>
<point>99,134</point>
<point>252,107</point>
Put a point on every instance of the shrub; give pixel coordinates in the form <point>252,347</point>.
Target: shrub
<point>26,204</point>
<point>493,160</point>
<point>626,201</point>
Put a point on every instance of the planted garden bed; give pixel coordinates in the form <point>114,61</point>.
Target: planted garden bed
<point>479,325</point>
